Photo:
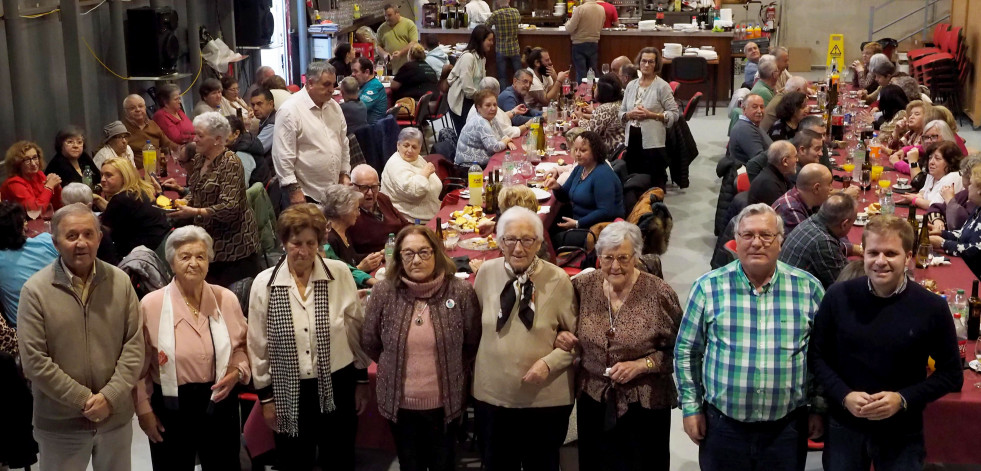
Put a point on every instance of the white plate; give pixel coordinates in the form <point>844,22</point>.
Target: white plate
<point>902,187</point>
<point>862,223</point>
<point>974,365</point>
<point>541,194</point>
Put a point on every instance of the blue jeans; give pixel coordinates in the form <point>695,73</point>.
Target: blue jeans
<point>585,56</point>
<point>729,444</point>
<point>847,449</point>
<point>502,69</point>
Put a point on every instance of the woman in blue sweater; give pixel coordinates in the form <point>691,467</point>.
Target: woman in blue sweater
<point>593,188</point>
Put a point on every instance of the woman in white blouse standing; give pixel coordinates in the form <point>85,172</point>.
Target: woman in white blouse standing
<point>467,73</point>
<point>648,109</point>
<point>304,345</point>
<point>411,182</point>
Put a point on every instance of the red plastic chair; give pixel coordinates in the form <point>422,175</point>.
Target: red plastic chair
<point>939,39</point>
<point>742,182</point>
<point>692,105</point>
<point>674,86</point>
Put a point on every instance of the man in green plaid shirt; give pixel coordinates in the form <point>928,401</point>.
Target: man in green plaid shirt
<point>741,355</point>
<point>504,22</point>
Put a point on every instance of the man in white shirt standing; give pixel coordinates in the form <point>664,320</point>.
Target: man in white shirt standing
<point>310,147</point>
<point>477,11</point>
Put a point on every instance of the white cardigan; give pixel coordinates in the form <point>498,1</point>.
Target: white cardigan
<point>659,99</point>
<point>415,196</point>
<point>467,73</point>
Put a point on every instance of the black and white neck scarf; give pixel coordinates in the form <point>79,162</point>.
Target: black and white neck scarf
<point>283,359</point>
<point>521,289</point>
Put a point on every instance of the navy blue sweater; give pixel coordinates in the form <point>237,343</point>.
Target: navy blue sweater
<point>598,198</point>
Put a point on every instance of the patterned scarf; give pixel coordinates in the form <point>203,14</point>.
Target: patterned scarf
<point>518,287</point>
<point>284,363</point>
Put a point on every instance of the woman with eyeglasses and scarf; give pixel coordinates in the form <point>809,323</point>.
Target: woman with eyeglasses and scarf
<point>522,384</point>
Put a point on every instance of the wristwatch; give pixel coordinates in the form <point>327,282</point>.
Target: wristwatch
<point>650,363</point>
<point>914,165</point>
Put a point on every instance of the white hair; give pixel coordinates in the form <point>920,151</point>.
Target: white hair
<point>768,67</point>
<point>617,233</point>
<point>946,134</point>
<point>186,235</point>
<point>76,193</point>
<point>490,83</point>
<point>317,69</point>
<point>796,84</point>
<point>757,209</point>
<point>339,201</point>
<point>518,213</point>
<point>214,123</point>
<point>410,133</point>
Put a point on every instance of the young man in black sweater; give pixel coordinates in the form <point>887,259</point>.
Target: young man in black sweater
<point>869,348</point>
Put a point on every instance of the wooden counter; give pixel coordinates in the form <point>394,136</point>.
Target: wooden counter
<point>611,45</point>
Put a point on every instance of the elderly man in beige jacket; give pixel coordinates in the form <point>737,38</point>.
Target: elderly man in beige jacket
<point>81,344</point>
<point>584,29</point>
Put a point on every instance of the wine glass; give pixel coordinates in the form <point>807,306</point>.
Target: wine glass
<point>46,214</point>
<point>606,69</point>
<point>33,211</point>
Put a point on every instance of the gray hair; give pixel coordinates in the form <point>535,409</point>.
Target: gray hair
<point>262,70</point>
<point>945,132</point>
<point>796,84</point>
<point>339,201</point>
<point>519,213</point>
<point>758,209</point>
<point>317,69</point>
<point>349,88</point>
<point>617,233</point>
<point>76,209</point>
<point>214,123</point>
<point>490,83</point>
<point>836,209</point>
<point>746,47</point>
<point>410,133</point>
<point>876,60</point>
<point>186,235</point>
<point>778,151</point>
<point>967,163</point>
<point>884,68</point>
<point>768,67</point>
<point>363,169</point>
<point>521,73</point>
<point>781,50</point>
<point>76,193</point>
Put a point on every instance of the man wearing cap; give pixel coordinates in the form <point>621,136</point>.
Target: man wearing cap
<point>114,144</point>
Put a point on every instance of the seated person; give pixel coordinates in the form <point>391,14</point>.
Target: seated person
<point>71,159</point>
<point>170,114</point>
<point>78,193</point>
<point>746,139</point>
<point>882,70</point>
<point>794,84</point>
<point>25,183</point>
<point>908,132</point>
<point>344,55</point>
<point>593,188</point>
<point>892,101</point>
<point>862,76</point>
<point>943,161</point>
<point>355,114</point>
<point>502,120</point>
<point>956,207</point>
<point>410,181</point>
<point>20,256</point>
<point>968,242</point>
<point>372,92</point>
<point>792,108</point>
<point>774,180</point>
<point>546,83</point>
<point>245,146</point>
<point>812,188</point>
<point>934,131</point>
<point>628,73</point>
<point>605,118</point>
<point>752,52</point>
<point>415,78</point>
<point>115,144</point>
<point>769,73</point>
<point>210,93</point>
<point>512,99</point>
<point>277,86</point>
<point>942,113</point>
<point>232,104</point>
<point>340,206</point>
<point>435,56</point>
<point>478,141</point>
<point>377,215</point>
<point>128,208</point>
<point>815,246</point>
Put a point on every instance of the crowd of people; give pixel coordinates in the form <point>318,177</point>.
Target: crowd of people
<point>770,349</point>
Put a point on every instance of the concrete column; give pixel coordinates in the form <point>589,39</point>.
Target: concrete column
<point>20,79</point>
<point>117,53</point>
<point>301,30</point>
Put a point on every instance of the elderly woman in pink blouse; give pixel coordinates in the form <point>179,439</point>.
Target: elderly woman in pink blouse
<point>195,337</point>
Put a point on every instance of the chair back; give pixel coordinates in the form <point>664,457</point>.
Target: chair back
<point>691,105</point>
<point>689,69</point>
<point>422,109</point>
<point>674,85</point>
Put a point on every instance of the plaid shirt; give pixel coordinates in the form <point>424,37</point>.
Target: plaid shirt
<point>504,21</point>
<point>792,209</point>
<point>744,352</point>
<point>812,248</point>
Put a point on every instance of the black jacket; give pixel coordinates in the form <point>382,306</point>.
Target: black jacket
<point>768,186</point>
<point>726,170</point>
<point>61,166</point>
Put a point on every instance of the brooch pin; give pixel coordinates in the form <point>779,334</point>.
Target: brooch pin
<point>450,304</point>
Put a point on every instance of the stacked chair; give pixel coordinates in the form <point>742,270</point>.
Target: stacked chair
<point>942,67</point>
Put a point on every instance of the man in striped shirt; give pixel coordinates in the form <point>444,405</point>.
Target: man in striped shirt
<point>741,355</point>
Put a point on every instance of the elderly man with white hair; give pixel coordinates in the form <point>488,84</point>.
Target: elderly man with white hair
<point>752,52</point>
<point>754,311</point>
<point>377,216</point>
<point>746,139</point>
<point>769,73</point>
<point>777,178</point>
<point>141,128</point>
<point>501,124</point>
<point>794,84</point>
<point>522,383</point>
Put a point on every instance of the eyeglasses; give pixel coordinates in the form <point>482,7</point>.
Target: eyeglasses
<point>73,142</point>
<point>365,188</point>
<point>408,255</point>
<point>33,159</point>
<point>526,242</point>
<point>766,238</point>
<point>648,61</point>
<point>931,137</point>
<point>623,260</point>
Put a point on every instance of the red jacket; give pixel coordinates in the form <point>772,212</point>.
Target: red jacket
<point>180,130</point>
<point>31,193</point>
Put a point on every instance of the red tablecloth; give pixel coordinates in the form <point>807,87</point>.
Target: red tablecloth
<point>951,424</point>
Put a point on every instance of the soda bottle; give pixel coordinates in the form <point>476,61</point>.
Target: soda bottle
<point>149,160</point>
<point>475,178</point>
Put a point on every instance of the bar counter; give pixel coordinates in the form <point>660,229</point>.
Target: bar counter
<point>612,44</point>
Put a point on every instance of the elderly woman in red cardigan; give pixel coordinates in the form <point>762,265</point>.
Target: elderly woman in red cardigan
<point>26,183</point>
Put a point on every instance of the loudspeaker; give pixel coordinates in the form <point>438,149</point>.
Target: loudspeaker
<point>152,48</point>
<point>253,22</point>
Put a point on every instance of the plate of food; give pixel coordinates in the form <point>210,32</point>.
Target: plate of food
<point>873,209</point>
<point>168,204</point>
<point>479,243</point>
<point>541,194</point>
<point>467,219</point>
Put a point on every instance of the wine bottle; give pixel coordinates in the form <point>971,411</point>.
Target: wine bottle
<point>974,313</point>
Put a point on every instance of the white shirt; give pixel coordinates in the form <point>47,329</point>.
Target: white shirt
<point>310,144</point>
<point>346,319</point>
<point>501,123</point>
<point>415,196</point>
<point>106,153</point>
<point>931,189</point>
<point>478,12</point>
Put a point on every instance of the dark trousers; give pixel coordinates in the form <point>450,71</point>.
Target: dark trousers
<point>653,162</point>
<point>585,56</point>
<point>192,430</point>
<point>502,68</point>
<point>226,273</point>
<point>780,445</point>
<point>847,449</point>
<point>460,120</point>
<point>326,440</point>
<point>424,441</point>
<point>514,438</point>
<point>638,442</point>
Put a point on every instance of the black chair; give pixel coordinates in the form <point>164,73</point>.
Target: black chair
<point>690,70</point>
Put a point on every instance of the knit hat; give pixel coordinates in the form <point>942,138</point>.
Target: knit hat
<point>113,129</point>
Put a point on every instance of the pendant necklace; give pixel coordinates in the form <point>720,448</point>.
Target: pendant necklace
<point>418,311</point>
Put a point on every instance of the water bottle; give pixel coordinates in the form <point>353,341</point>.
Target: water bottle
<point>390,250</point>
<point>888,205</point>
<point>87,177</point>
<point>475,178</point>
<point>508,166</point>
<point>960,303</point>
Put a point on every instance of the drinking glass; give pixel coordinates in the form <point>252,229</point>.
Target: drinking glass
<point>46,214</point>
<point>606,69</point>
<point>33,211</point>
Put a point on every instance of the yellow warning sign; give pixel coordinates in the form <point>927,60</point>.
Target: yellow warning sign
<point>836,51</point>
